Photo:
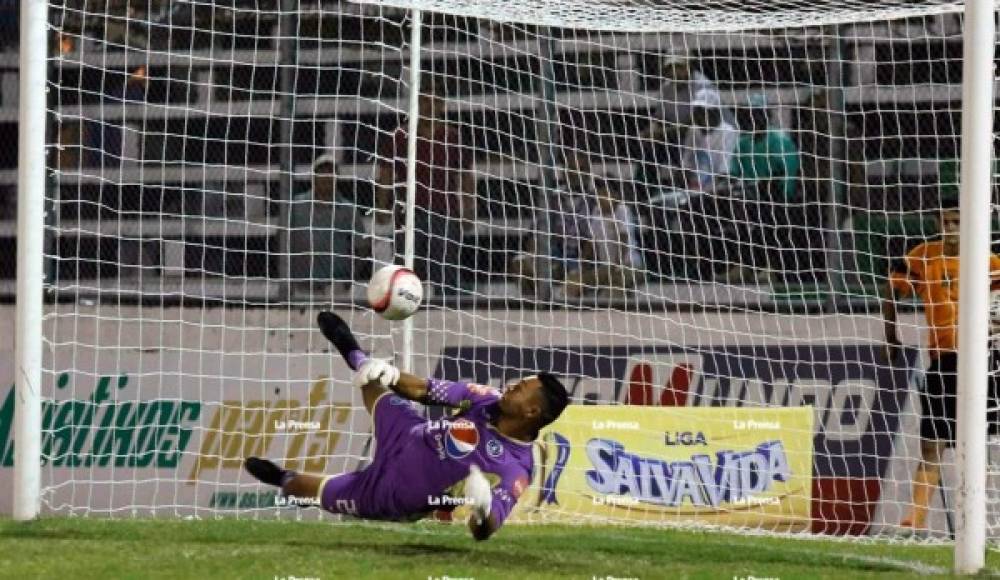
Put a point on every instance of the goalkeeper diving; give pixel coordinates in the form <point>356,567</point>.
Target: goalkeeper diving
<point>480,457</point>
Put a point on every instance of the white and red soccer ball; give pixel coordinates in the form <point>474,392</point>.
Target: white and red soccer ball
<point>395,292</point>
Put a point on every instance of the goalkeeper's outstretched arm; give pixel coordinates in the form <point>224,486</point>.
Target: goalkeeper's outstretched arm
<point>411,387</point>
<point>374,371</point>
<point>441,392</point>
<point>403,384</point>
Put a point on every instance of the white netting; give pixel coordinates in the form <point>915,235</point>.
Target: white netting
<point>700,218</point>
<point>680,15</point>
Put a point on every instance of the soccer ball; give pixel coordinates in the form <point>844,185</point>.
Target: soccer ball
<point>395,292</point>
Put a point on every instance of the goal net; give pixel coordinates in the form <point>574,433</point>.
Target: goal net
<point>689,211</point>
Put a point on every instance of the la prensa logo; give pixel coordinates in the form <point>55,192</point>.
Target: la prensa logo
<point>462,439</point>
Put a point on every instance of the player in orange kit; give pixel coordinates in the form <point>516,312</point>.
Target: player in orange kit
<point>930,271</point>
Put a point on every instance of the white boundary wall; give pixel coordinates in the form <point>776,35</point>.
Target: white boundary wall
<point>198,356</point>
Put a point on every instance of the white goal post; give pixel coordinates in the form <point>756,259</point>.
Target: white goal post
<point>669,204</point>
<point>30,257</point>
<point>977,173</point>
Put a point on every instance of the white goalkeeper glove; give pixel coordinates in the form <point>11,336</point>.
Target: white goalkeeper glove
<point>375,369</point>
<point>478,489</point>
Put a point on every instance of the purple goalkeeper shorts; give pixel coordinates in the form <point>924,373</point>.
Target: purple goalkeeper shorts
<point>370,493</point>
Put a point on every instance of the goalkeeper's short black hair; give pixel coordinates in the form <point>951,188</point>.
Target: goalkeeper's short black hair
<point>555,397</point>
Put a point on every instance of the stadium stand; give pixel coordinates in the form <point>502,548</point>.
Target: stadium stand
<point>174,109</point>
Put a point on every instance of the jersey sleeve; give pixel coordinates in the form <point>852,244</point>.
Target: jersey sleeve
<point>506,493</point>
<point>899,279</point>
<point>906,273</point>
<point>459,394</point>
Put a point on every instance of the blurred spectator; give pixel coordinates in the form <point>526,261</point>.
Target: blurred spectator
<point>321,239</point>
<point>680,216</point>
<point>557,228</point>
<point>445,188</point>
<point>682,81</point>
<point>767,167</point>
<point>610,257</point>
<point>709,146</point>
<point>766,158</point>
<point>660,143</point>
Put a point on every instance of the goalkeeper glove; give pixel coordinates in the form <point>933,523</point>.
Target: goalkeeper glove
<point>373,370</point>
<point>478,489</point>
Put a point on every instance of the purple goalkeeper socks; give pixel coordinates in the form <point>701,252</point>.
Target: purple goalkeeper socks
<point>356,358</point>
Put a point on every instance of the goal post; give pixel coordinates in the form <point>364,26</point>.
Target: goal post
<point>978,106</point>
<point>413,117</point>
<point>30,258</point>
<point>687,210</point>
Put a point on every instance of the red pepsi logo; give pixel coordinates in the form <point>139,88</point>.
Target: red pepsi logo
<point>462,439</point>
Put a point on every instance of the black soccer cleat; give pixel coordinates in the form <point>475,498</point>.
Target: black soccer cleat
<point>264,471</point>
<point>339,333</point>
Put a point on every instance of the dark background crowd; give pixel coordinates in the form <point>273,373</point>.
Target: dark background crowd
<point>271,146</point>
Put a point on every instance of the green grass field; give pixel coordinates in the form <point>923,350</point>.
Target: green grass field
<point>97,548</point>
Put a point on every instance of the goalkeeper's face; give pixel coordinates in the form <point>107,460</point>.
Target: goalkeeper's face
<point>523,399</point>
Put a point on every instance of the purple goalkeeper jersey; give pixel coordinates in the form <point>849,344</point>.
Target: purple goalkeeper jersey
<point>419,463</point>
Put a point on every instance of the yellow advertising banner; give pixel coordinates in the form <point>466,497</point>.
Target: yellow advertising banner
<point>747,467</point>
